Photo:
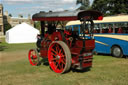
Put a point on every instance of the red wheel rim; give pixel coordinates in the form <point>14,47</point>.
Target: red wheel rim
<point>32,57</point>
<point>57,58</point>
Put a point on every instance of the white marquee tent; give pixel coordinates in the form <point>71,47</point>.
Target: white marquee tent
<point>22,33</point>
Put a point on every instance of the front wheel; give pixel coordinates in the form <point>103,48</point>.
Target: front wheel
<point>33,57</point>
<point>59,57</point>
<point>117,52</point>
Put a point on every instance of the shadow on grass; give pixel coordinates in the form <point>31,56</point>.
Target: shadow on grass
<point>103,54</point>
<point>2,47</point>
<point>82,70</point>
<point>44,61</point>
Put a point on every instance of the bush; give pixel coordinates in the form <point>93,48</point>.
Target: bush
<point>7,27</point>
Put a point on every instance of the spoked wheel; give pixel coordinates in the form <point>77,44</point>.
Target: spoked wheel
<point>59,57</point>
<point>33,57</point>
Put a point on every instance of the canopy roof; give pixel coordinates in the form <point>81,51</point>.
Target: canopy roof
<point>67,15</point>
<point>108,19</point>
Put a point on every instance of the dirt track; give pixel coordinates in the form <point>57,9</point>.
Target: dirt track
<point>12,56</point>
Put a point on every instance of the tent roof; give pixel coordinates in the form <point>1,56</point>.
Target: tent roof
<point>22,26</point>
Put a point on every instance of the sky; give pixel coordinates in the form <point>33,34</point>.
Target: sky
<point>25,7</point>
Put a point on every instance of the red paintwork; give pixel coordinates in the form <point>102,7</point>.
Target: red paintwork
<point>87,61</point>
<point>46,42</point>
<point>31,61</point>
<point>75,49</point>
<point>44,52</point>
<point>63,18</point>
<point>56,36</point>
<point>67,32</point>
<point>56,18</point>
<point>100,18</point>
<point>57,65</point>
<point>89,46</point>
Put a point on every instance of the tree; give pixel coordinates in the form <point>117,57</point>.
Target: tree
<point>20,16</point>
<point>111,7</point>
<point>85,4</point>
<point>7,27</point>
<point>10,15</point>
<point>118,6</point>
<point>37,25</point>
<point>100,5</point>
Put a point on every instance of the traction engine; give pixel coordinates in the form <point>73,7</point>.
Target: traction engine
<point>64,49</point>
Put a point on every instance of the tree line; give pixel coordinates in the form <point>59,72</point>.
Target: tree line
<point>107,7</point>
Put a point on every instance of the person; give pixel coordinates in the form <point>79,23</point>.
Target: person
<point>38,43</point>
<point>51,28</point>
<point>120,30</point>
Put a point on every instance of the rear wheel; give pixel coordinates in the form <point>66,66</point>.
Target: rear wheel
<point>33,57</point>
<point>59,57</point>
<point>117,52</point>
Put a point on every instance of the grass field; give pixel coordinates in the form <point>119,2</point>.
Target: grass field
<point>16,70</point>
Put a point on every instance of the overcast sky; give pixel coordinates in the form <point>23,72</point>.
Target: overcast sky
<point>26,7</point>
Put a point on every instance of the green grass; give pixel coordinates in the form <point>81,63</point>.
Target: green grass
<point>106,70</point>
<point>15,47</point>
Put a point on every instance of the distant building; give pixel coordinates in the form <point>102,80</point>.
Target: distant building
<point>1,20</point>
<point>13,21</point>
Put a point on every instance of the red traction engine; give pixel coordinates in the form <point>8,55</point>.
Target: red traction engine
<point>63,48</point>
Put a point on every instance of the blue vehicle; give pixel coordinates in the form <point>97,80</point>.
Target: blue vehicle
<point>111,35</point>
